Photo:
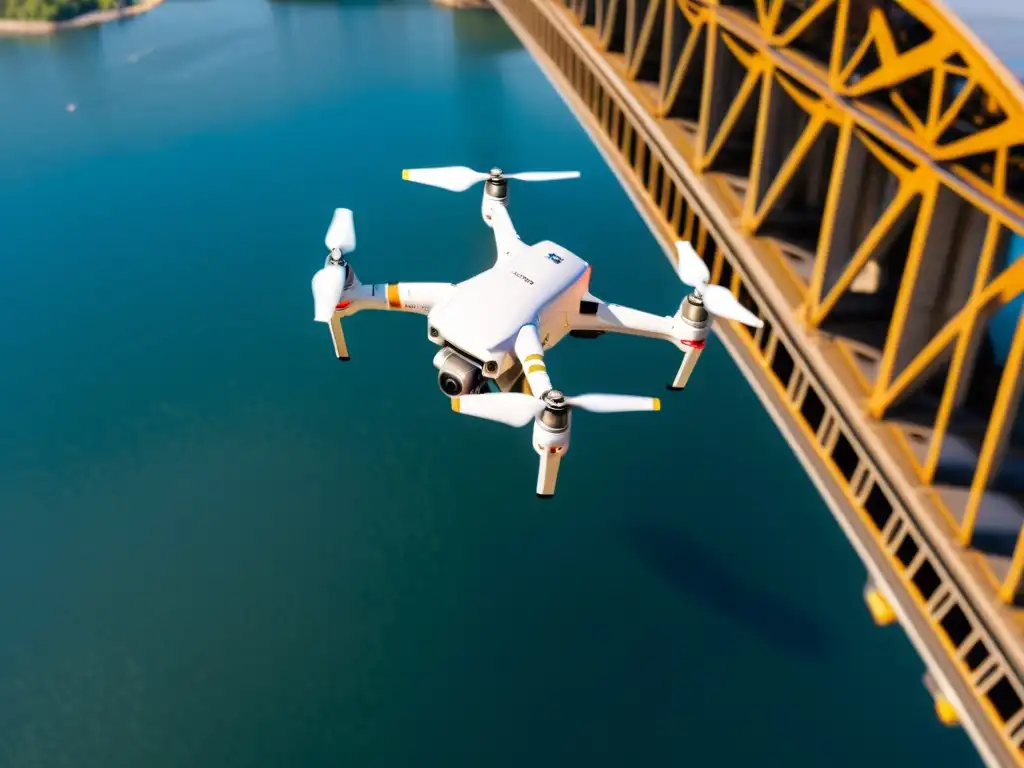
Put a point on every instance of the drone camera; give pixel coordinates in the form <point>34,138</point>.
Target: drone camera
<point>457,375</point>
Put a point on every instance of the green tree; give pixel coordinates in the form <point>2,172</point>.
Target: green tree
<point>54,10</point>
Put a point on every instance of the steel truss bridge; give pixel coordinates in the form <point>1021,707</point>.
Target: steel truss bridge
<point>854,171</point>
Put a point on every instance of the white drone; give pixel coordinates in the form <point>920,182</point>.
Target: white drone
<point>495,326</point>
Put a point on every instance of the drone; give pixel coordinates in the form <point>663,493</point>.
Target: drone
<point>493,329</point>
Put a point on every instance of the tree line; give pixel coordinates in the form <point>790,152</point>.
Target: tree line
<point>55,10</point>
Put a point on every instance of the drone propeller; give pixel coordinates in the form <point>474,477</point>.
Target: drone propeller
<point>613,403</point>
<point>328,286</point>
<point>517,410</point>
<point>341,235</point>
<point>717,299</point>
<point>329,282</point>
<point>459,178</point>
<point>511,408</point>
<point>551,417</point>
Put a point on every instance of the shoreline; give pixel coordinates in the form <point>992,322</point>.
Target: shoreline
<point>463,4</point>
<point>24,27</point>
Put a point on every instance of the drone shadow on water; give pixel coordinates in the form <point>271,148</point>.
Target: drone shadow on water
<point>690,568</point>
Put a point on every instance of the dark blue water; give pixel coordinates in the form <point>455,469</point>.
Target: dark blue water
<point>220,547</point>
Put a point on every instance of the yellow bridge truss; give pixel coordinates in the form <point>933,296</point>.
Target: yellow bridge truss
<point>854,171</point>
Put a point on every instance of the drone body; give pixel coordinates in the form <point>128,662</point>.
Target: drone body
<point>493,329</point>
<point>485,314</point>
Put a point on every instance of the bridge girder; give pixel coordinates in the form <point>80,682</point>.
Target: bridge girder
<point>854,171</point>
<point>902,106</point>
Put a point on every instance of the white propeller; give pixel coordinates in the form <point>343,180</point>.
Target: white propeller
<point>517,410</point>
<point>542,175</point>
<point>690,266</point>
<point>613,403</point>
<point>459,178</point>
<point>341,235</point>
<point>717,299</point>
<point>329,283</point>
<point>328,286</point>
<point>512,408</point>
<point>552,417</point>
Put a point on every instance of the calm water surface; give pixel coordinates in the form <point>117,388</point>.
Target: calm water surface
<point>220,547</point>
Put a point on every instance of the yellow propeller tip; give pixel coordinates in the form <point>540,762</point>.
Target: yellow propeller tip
<point>455,404</point>
<point>657,404</point>
<point>405,175</point>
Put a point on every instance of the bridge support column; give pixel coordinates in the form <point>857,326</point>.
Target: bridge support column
<point>945,232</point>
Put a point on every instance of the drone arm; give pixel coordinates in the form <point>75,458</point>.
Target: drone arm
<point>530,352</point>
<point>614,318</point>
<point>418,298</point>
<point>505,236</point>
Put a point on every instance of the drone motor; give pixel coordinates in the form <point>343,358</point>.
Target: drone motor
<point>692,310</point>
<point>496,187</point>
<point>555,416</point>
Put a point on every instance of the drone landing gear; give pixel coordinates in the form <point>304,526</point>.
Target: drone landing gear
<point>338,337</point>
<point>547,474</point>
<point>690,358</point>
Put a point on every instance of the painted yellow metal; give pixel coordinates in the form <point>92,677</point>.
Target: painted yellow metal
<point>946,712</point>
<point>966,342</point>
<point>1000,291</point>
<point>394,297</point>
<point>880,609</point>
<point>997,432</point>
<point>1012,584</point>
<point>919,96</point>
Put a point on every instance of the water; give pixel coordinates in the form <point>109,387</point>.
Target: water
<point>223,548</point>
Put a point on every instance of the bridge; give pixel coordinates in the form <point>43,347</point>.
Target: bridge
<point>854,171</point>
